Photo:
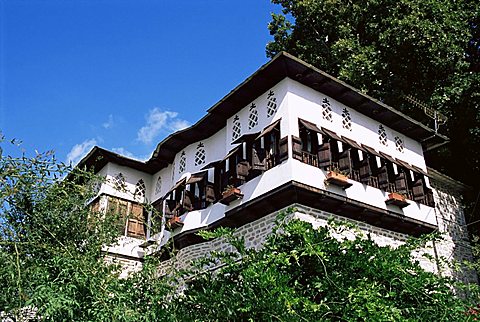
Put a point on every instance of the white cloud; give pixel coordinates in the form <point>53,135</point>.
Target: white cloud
<point>109,123</point>
<point>128,154</point>
<point>80,150</point>
<point>158,121</point>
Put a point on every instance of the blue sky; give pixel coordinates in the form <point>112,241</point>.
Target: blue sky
<point>120,74</point>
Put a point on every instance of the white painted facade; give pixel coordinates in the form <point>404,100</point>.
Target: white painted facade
<point>286,101</point>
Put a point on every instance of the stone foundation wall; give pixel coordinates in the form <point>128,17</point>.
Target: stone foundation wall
<point>455,246</point>
<point>451,222</point>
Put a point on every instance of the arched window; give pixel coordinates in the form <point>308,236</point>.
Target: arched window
<point>382,135</point>
<point>271,104</point>
<point>119,181</point>
<point>158,186</point>
<point>236,128</point>
<point>200,154</point>
<point>253,117</point>
<point>182,164</point>
<point>346,120</point>
<point>327,110</point>
<point>140,188</point>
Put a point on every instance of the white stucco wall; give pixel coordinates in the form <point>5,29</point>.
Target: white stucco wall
<point>305,103</point>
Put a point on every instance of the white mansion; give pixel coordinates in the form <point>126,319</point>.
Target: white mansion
<point>289,135</point>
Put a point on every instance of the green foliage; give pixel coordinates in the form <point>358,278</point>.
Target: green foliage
<point>52,255</point>
<point>390,49</point>
<point>305,274</point>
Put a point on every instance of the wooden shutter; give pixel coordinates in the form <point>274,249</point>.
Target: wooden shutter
<point>344,162</point>
<point>209,193</point>
<point>297,147</point>
<point>169,208</point>
<point>258,158</point>
<point>242,169</point>
<point>283,147</point>
<point>383,178</point>
<point>364,170</point>
<point>137,212</point>
<point>401,183</point>
<point>135,228</point>
<point>188,201</point>
<point>418,191</point>
<point>324,155</point>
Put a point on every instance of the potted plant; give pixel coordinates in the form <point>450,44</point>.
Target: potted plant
<point>338,178</point>
<point>174,222</point>
<point>396,199</point>
<point>230,194</point>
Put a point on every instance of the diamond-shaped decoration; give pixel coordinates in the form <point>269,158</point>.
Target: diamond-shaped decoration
<point>399,144</point>
<point>182,164</point>
<point>200,155</point>
<point>271,104</point>
<point>382,135</point>
<point>236,129</point>
<point>327,110</point>
<point>158,185</point>
<point>346,120</point>
<point>253,118</point>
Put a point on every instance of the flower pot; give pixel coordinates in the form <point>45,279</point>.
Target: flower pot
<point>396,199</point>
<point>174,222</point>
<point>231,194</point>
<point>337,179</point>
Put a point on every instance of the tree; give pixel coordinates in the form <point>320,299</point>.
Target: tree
<point>392,49</point>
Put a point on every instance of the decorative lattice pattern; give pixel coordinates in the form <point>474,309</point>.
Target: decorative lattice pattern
<point>253,117</point>
<point>119,181</point>
<point>399,144</point>
<point>271,104</point>
<point>382,135</point>
<point>200,154</point>
<point>236,129</point>
<point>327,110</point>
<point>140,190</point>
<point>346,119</point>
<point>158,186</point>
<point>182,164</point>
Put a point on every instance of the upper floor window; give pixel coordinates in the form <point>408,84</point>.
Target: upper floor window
<point>173,171</point>
<point>140,190</point>
<point>253,117</point>
<point>200,154</point>
<point>399,144</point>
<point>119,181</point>
<point>382,135</point>
<point>346,119</point>
<point>327,110</point>
<point>236,129</point>
<point>158,186</point>
<point>271,103</point>
<point>182,164</point>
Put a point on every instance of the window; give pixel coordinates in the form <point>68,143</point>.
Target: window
<point>158,186</point>
<point>200,154</point>
<point>173,171</point>
<point>382,135</point>
<point>140,188</point>
<point>253,117</point>
<point>271,104</point>
<point>131,217</point>
<point>119,182</point>
<point>236,129</point>
<point>346,119</point>
<point>399,144</point>
<point>182,164</point>
<point>327,110</point>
